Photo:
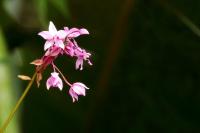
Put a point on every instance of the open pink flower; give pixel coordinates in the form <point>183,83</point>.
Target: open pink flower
<point>54,81</point>
<point>53,37</point>
<point>76,90</point>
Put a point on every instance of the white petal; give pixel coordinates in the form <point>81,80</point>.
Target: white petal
<point>48,84</point>
<point>60,85</point>
<point>52,29</point>
<point>81,84</point>
<point>61,34</point>
<point>79,90</point>
<point>54,74</point>
<point>48,44</point>
<point>84,31</point>
<point>60,44</point>
<point>46,35</point>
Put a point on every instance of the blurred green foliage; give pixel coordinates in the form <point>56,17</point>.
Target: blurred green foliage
<point>7,94</point>
<point>152,86</point>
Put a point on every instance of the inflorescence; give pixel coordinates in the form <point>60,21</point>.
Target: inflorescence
<point>62,42</point>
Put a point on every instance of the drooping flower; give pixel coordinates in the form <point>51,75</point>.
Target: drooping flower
<point>82,55</point>
<point>76,90</point>
<point>54,81</point>
<point>53,37</point>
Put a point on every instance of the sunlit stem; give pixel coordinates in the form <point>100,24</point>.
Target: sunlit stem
<point>12,113</point>
<point>66,81</point>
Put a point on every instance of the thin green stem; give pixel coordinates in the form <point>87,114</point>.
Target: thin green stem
<point>11,115</point>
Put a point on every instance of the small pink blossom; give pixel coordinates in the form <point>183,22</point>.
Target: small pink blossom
<point>81,55</point>
<point>76,90</point>
<point>53,37</point>
<point>54,81</point>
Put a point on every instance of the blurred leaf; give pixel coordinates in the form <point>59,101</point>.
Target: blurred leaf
<point>62,6</point>
<point>7,94</point>
<point>3,50</point>
<point>13,8</point>
<point>41,7</point>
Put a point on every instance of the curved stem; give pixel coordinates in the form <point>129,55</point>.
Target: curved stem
<point>53,65</point>
<point>66,81</point>
<point>11,115</point>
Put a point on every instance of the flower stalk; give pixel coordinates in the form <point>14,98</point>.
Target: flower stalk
<point>12,113</point>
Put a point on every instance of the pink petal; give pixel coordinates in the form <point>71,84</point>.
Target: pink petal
<point>69,51</point>
<point>73,95</point>
<point>89,62</point>
<point>48,83</point>
<point>66,28</point>
<point>79,90</point>
<point>48,44</point>
<point>60,84</point>
<point>79,64</point>
<point>72,33</point>
<point>81,84</point>
<point>52,29</point>
<point>46,35</point>
<point>83,31</point>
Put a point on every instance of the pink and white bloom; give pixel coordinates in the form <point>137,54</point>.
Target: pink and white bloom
<point>53,37</point>
<point>76,90</point>
<point>60,42</point>
<point>54,81</point>
<point>81,55</point>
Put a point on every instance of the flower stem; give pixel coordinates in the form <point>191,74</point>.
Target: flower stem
<point>11,115</point>
<point>66,81</point>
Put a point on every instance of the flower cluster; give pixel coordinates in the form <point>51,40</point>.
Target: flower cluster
<point>62,42</point>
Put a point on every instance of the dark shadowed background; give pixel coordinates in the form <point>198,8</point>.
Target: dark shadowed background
<point>146,72</point>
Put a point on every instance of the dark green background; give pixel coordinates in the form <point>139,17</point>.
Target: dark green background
<point>148,82</point>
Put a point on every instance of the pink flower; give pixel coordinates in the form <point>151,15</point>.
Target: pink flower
<point>76,90</point>
<point>81,55</point>
<point>53,51</point>
<point>74,32</point>
<point>58,43</point>
<point>54,81</point>
<point>69,48</point>
<point>53,37</point>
